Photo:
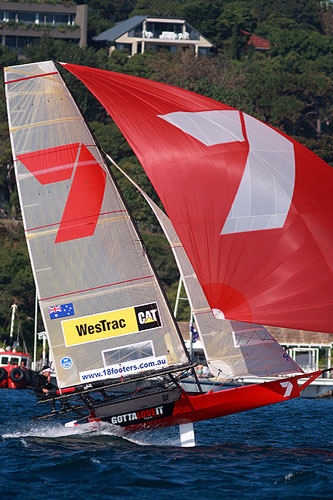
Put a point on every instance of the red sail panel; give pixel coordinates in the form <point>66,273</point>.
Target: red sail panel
<point>51,165</point>
<point>84,200</point>
<point>86,194</point>
<point>252,207</point>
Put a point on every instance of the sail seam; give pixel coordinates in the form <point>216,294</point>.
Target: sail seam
<point>48,122</point>
<point>97,287</point>
<point>57,223</point>
<point>203,310</point>
<point>33,76</point>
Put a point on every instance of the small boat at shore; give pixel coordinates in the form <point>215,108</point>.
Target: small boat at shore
<point>15,366</point>
<point>15,372</point>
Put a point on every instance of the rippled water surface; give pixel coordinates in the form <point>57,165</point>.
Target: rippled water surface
<point>278,452</point>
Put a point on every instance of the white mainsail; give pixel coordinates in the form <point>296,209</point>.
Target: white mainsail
<point>232,348</point>
<point>104,311</point>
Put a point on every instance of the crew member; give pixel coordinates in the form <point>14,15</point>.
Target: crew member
<point>42,384</point>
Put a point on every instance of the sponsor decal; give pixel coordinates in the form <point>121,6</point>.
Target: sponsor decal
<point>147,316</point>
<point>111,324</point>
<point>141,416</point>
<point>66,363</point>
<point>61,311</point>
<point>135,417</point>
<point>125,368</point>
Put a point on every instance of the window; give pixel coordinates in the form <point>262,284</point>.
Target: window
<point>137,31</point>
<point>22,41</point>
<point>49,18</point>
<point>61,19</point>
<point>128,353</point>
<point>194,35</point>
<point>245,336</point>
<point>14,361</point>
<point>26,17</point>
<point>10,42</point>
<point>4,360</point>
<point>8,15</point>
<point>199,357</point>
<point>40,17</point>
<point>203,51</point>
<point>124,46</point>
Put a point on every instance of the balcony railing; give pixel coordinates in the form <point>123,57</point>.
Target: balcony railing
<point>167,35</point>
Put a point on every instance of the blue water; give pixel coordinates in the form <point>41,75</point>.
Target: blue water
<point>281,451</point>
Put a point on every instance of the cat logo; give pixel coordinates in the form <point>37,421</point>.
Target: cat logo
<point>148,316</point>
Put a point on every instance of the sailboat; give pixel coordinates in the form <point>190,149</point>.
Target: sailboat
<point>249,219</point>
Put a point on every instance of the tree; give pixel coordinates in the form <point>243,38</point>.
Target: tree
<point>157,8</point>
<point>307,13</point>
<point>16,281</point>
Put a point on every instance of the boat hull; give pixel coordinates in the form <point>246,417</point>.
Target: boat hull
<point>319,388</point>
<point>183,408</point>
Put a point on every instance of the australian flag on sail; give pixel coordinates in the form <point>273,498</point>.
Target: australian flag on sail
<point>194,333</point>
<point>61,311</point>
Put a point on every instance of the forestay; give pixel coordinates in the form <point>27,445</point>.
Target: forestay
<point>251,206</point>
<point>102,306</point>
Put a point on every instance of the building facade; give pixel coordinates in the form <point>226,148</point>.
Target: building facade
<point>23,23</point>
<point>140,33</point>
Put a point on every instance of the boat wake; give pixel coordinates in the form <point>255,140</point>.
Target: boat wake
<point>105,432</point>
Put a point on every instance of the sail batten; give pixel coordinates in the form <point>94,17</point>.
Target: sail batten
<point>29,77</point>
<point>99,287</point>
<point>42,124</point>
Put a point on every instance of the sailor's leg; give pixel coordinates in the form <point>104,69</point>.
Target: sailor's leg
<point>187,437</point>
<point>53,408</point>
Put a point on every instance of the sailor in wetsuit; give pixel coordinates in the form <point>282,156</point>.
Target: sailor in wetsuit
<point>42,384</point>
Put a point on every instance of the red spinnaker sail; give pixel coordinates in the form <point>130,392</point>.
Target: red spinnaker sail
<point>252,207</point>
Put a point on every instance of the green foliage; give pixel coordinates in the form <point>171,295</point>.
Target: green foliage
<point>308,44</point>
<point>161,255</point>
<point>156,8</point>
<point>142,214</point>
<point>203,16</point>
<point>5,149</point>
<point>110,139</point>
<point>183,312</point>
<point>16,281</point>
<point>306,12</point>
<point>97,23</point>
<point>115,10</point>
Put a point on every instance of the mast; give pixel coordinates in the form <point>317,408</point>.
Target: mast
<point>12,321</point>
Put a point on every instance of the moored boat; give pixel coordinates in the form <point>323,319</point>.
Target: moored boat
<point>15,372</point>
